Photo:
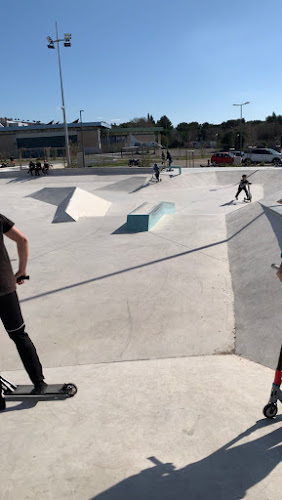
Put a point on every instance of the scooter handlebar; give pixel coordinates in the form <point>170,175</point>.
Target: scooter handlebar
<point>23,277</point>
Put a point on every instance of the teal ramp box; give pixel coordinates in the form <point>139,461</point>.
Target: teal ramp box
<point>179,170</point>
<point>143,218</point>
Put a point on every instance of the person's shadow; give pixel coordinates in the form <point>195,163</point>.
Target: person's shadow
<point>226,474</point>
<point>24,405</point>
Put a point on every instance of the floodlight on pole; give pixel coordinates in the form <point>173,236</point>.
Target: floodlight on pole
<point>241,115</point>
<point>51,45</point>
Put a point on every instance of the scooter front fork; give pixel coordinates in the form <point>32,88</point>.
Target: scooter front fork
<point>276,392</point>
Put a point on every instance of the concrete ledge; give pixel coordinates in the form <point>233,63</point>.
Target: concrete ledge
<point>61,172</point>
<point>144,217</point>
<point>178,168</point>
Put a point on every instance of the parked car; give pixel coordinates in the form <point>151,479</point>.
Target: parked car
<point>262,155</point>
<point>222,158</point>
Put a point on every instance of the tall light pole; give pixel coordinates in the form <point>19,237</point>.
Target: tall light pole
<point>51,45</point>
<point>241,114</point>
<point>82,142</point>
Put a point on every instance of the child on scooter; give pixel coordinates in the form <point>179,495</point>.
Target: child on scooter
<point>243,186</point>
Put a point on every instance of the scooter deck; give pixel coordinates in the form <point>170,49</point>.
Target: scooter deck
<point>53,391</point>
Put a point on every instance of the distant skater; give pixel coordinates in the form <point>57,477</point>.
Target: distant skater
<point>156,171</point>
<point>169,159</point>
<point>243,186</point>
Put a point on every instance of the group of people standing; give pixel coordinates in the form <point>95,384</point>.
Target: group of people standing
<point>37,167</point>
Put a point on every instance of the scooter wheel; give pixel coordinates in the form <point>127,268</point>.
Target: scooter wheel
<point>70,389</point>
<point>270,410</point>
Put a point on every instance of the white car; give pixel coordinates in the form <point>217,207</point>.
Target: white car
<point>262,155</point>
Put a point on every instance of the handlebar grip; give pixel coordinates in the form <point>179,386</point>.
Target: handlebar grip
<point>275,266</point>
<point>19,278</point>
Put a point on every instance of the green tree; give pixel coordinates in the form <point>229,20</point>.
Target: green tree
<point>227,140</point>
<point>271,118</point>
<point>188,132</point>
<point>150,119</point>
<point>232,123</point>
<point>139,122</point>
<point>165,122</point>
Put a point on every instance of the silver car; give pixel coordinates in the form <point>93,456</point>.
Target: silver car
<point>262,155</point>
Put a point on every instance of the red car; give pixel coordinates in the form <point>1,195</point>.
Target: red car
<point>222,158</point>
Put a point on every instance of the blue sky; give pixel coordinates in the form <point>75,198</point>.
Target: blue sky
<point>186,59</point>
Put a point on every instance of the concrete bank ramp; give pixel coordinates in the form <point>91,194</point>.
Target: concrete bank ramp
<point>271,179</point>
<point>73,203</point>
<point>127,185</point>
<point>254,242</point>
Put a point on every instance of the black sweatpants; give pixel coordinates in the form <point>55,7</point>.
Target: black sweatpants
<point>241,189</point>
<point>11,317</point>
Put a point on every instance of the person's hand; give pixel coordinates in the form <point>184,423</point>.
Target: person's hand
<point>17,275</point>
<point>279,273</point>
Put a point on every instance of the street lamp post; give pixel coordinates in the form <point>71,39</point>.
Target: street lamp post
<point>241,114</point>
<point>51,45</point>
<point>82,142</point>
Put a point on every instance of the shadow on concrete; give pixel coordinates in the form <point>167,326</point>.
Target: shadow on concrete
<point>147,184</point>
<point>233,202</point>
<point>227,204</point>
<point>24,405</point>
<point>226,474</point>
<point>22,180</point>
<point>146,264</point>
<point>275,221</point>
<point>121,230</point>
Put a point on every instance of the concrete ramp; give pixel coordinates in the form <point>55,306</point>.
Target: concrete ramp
<point>254,242</point>
<point>84,204</point>
<point>73,203</point>
<point>54,196</point>
<point>128,185</point>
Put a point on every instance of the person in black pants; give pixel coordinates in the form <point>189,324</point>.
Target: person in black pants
<point>31,168</point>
<point>243,186</point>
<point>156,172</point>
<point>37,168</point>
<point>10,312</point>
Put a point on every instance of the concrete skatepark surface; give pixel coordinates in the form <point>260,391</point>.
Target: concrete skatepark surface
<point>172,337</point>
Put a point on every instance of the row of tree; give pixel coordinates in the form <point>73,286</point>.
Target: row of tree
<point>263,133</point>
